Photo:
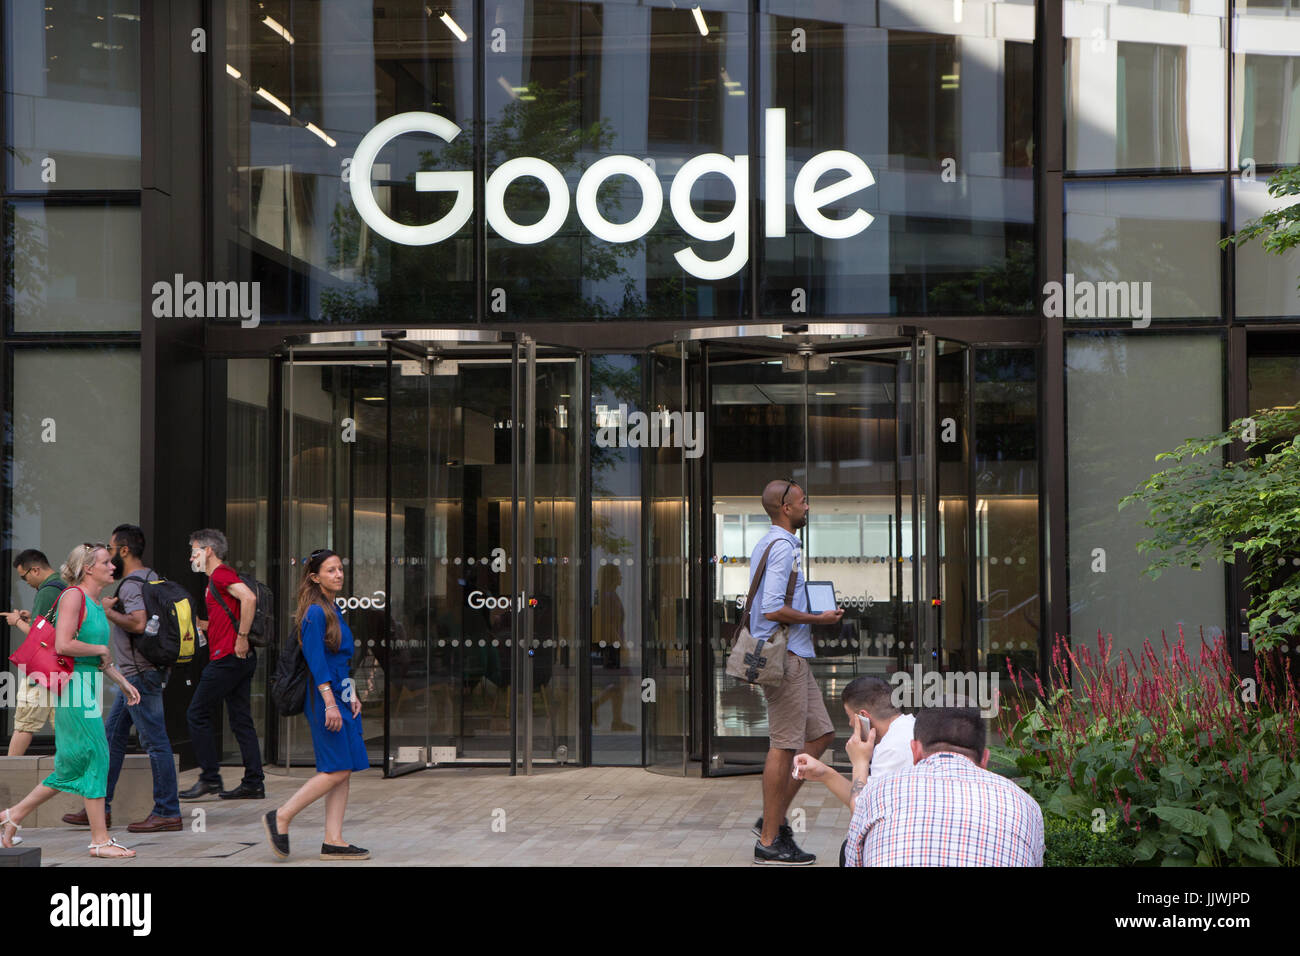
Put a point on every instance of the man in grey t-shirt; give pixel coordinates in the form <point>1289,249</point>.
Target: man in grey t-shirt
<point>126,613</point>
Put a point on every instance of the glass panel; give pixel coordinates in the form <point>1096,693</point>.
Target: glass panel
<point>953,471</point>
<point>295,112</point>
<point>559,575</point>
<point>1132,104</point>
<point>72,101</point>
<point>852,478</point>
<point>616,581</point>
<point>1274,380</point>
<point>1137,251</point>
<point>74,470</point>
<point>335,478</point>
<point>666,610</point>
<point>75,268</point>
<point>572,82</point>
<point>1266,283</point>
<point>947,137</point>
<point>1129,397</point>
<point>1266,83</point>
<point>248,383</point>
<point>1006,510</point>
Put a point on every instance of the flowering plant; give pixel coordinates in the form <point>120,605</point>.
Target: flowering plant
<point>1198,763</point>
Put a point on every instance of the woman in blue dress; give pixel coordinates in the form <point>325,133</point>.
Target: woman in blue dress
<point>332,709</point>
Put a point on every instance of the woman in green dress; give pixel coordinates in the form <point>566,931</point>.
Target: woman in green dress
<point>80,746</point>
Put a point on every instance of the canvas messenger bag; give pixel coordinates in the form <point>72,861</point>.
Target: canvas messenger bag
<point>754,660</point>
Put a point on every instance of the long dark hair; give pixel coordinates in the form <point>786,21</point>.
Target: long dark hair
<point>309,593</point>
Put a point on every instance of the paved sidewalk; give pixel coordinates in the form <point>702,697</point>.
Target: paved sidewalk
<point>591,816</point>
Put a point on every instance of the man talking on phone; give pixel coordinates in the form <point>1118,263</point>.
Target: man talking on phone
<point>796,715</point>
<point>879,745</point>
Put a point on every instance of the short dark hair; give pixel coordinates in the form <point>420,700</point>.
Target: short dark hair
<point>31,558</point>
<point>872,694</point>
<point>951,728</point>
<point>132,537</point>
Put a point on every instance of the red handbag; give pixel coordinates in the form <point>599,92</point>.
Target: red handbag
<point>36,658</point>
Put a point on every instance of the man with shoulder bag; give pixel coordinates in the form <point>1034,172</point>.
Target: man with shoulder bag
<point>796,714</point>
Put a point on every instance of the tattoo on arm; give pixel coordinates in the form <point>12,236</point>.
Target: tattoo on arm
<point>857,788</point>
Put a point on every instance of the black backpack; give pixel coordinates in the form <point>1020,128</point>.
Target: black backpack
<point>173,640</point>
<point>262,631</point>
<point>289,682</point>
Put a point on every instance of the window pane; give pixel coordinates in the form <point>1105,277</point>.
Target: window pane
<point>1132,104</point>
<point>295,112</point>
<point>1266,283</point>
<point>1266,113</point>
<point>1128,398</point>
<point>76,448</point>
<point>75,268</point>
<point>72,82</point>
<point>947,134</point>
<point>1141,250</point>
<point>1006,508</point>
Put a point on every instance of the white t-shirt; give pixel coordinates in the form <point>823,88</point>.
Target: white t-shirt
<point>894,751</point>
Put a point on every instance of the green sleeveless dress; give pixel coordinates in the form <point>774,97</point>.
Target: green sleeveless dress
<point>80,746</point>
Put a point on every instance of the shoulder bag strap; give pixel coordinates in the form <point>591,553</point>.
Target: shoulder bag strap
<point>754,584</point>
<point>224,606</point>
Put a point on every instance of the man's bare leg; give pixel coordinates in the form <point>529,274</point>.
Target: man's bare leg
<point>776,795</point>
<point>779,785</point>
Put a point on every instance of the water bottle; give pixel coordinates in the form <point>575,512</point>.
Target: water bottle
<point>151,628</point>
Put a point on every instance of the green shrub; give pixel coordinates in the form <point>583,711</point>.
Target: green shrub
<point>1179,754</point>
<point>1074,843</point>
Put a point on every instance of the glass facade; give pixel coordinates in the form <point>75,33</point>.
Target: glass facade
<point>632,166</point>
<point>469,275</point>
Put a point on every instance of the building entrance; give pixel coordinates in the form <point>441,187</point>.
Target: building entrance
<point>410,453</point>
<point>870,421</point>
<point>453,472</point>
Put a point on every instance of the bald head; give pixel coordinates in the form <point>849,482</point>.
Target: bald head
<point>772,495</point>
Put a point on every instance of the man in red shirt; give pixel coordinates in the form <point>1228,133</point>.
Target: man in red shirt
<point>228,675</point>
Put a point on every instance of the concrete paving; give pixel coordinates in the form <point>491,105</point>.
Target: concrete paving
<point>592,816</point>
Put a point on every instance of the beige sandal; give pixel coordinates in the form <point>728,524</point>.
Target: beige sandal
<point>96,847</point>
<point>7,840</point>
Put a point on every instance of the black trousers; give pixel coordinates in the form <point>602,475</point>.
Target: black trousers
<point>228,680</point>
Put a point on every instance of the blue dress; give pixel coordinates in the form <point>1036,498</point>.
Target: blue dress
<point>344,749</point>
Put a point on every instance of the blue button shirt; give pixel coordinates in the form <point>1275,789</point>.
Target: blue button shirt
<point>786,552</point>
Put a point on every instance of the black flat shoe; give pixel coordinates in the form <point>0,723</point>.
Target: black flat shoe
<point>279,841</point>
<point>200,789</point>
<point>330,852</point>
<point>244,792</point>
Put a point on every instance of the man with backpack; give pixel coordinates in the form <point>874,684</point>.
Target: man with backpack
<point>128,616</point>
<point>34,704</point>
<point>228,676</point>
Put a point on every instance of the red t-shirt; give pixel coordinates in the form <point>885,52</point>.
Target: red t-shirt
<point>221,633</point>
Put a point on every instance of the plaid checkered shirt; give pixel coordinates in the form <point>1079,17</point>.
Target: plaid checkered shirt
<point>945,811</point>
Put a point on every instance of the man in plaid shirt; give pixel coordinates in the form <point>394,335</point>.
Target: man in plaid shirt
<point>947,809</point>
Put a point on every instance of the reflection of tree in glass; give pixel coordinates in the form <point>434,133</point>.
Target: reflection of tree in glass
<point>1006,288</point>
<point>611,385</point>
<point>1152,252</point>
<point>548,277</point>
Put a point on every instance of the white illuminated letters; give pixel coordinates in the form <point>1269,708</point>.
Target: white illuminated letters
<point>652,199</point>
<point>809,200</point>
<point>363,197</point>
<point>736,224</point>
<point>557,206</point>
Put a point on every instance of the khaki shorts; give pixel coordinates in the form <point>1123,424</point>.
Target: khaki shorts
<point>796,712</point>
<point>33,709</point>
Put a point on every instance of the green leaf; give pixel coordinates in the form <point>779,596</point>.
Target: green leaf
<point>1221,827</point>
<point>1257,849</point>
<point>1184,819</point>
